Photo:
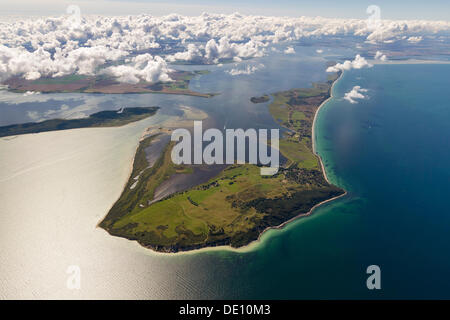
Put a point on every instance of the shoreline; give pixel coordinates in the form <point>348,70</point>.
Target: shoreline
<point>169,122</point>
<point>134,156</point>
<point>255,243</point>
<point>313,134</point>
<point>244,249</point>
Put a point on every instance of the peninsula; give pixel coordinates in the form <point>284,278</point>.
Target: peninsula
<point>235,206</point>
<point>100,119</point>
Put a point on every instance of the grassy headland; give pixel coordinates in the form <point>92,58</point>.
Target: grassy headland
<point>236,206</point>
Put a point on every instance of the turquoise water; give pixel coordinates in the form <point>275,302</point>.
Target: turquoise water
<point>391,152</point>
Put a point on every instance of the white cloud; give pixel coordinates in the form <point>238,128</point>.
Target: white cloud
<point>50,46</point>
<point>415,39</point>
<point>380,56</point>
<point>225,50</point>
<point>248,70</point>
<point>358,63</point>
<point>289,50</point>
<point>193,53</point>
<point>355,93</point>
<point>38,63</point>
<point>319,51</point>
<point>143,67</point>
<point>212,52</point>
<point>30,93</point>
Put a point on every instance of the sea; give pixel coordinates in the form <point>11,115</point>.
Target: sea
<point>390,150</point>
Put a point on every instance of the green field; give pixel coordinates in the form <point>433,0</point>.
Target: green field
<point>61,80</point>
<point>237,205</point>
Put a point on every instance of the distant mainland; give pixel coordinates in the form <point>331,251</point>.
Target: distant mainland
<point>106,84</point>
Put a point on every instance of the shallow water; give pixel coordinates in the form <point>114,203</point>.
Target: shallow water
<point>155,149</point>
<point>184,181</point>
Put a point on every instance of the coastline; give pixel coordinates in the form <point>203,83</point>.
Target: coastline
<point>256,243</point>
<point>247,248</point>
<point>171,123</point>
<point>313,134</point>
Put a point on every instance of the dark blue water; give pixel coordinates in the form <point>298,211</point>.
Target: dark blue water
<point>391,151</point>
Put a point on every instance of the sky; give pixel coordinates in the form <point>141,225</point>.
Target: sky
<point>413,9</point>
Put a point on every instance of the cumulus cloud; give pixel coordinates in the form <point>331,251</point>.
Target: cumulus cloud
<point>289,50</point>
<point>225,50</point>
<point>213,52</point>
<point>193,53</point>
<point>38,63</point>
<point>358,63</point>
<point>415,39</point>
<point>146,32</point>
<point>354,94</point>
<point>380,56</point>
<point>43,47</point>
<point>143,67</point>
<point>248,70</point>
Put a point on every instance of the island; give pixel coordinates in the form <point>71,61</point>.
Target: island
<point>106,84</point>
<point>116,118</point>
<point>261,99</point>
<point>235,206</point>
